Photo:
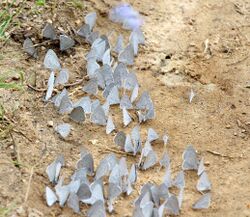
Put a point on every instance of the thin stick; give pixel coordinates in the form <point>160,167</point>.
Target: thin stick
<point>29,184</point>
<point>36,89</point>
<point>219,154</point>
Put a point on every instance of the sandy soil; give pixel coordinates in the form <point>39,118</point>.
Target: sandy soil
<point>173,61</point>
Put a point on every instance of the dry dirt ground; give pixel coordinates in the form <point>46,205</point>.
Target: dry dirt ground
<point>202,45</point>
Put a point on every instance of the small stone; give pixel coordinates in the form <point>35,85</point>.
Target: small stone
<point>235,134</point>
<point>228,126</point>
<point>207,163</point>
<point>50,123</point>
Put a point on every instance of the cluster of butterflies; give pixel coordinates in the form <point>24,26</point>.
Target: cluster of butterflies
<point>153,201</point>
<point>80,189</point>
<point>107,70</point>
<point>119,86</point>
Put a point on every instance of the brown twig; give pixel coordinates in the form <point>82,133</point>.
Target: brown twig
<point>36,89</point>
<point>19,132</point>
<point>219,154</point>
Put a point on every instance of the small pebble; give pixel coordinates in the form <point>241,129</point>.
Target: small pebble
<point>50,123</point>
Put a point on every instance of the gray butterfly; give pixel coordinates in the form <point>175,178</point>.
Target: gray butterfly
<point>134,93</point>
<point>62,192</point>
<point>136,139</point>
<point>113,193</point>
<point>134,41</point>
<point>99,46</point>
<point>105,38</point>
<point>73,202</point>
<point>125,102</point>
<point>84,192</point>
<point>120,139</point>
<point>77,114</point>
<point>74,185</point>
<point>119,45</point>
<point>144,190</point>
<point>90,19</point>
<point>51,198</point>
<point>120,74</point>
<point>110,125</point>
<point>84,31</point>
<point>87,162</point>
<point>66,105</point>
<point>106,59</point>
<point>96,193</point>
<point>167,177</point>
<point>152,135</point>
<point>29,48</point>
<point>113,97</point>
<point>53,170</point>
<point>107,90</point>
<point>92,54</point>
<point>115,175</point>
<point>144,102</point>
<point>145,198</point>
<point>203,202</point>
<point>165,160</point>
<point>66,42</point>
<point>190,161</point>
<point>127,55</point>
<point>128,146</point>
<point>132,174</point>
<point>107,74</point>
<point>63,77</point>
<point>63,130</point>
<point>49,32</point>
<point>123,167</point>
<point>92,37</point>
<point>97,209</point>
<point>85,103</point>
<point>179,181</point>
<point>58,98</point>
<point>91,87</point>
<point>203,183</point>
<point>50,86</point>
<point>130,81</point>
<point>80,174</point>
<point>147,209</point>
<point>155,191</point>
<point>105,165</point>
<point>51,61</point>
<point>150,161</point>
<point>126,117</point>
<point>172,206</point>
<point>98,116</point>
<point>201,167</point>
<point>92,66</point>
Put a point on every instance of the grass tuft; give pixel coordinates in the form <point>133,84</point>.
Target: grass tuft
<point>40,2</point>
